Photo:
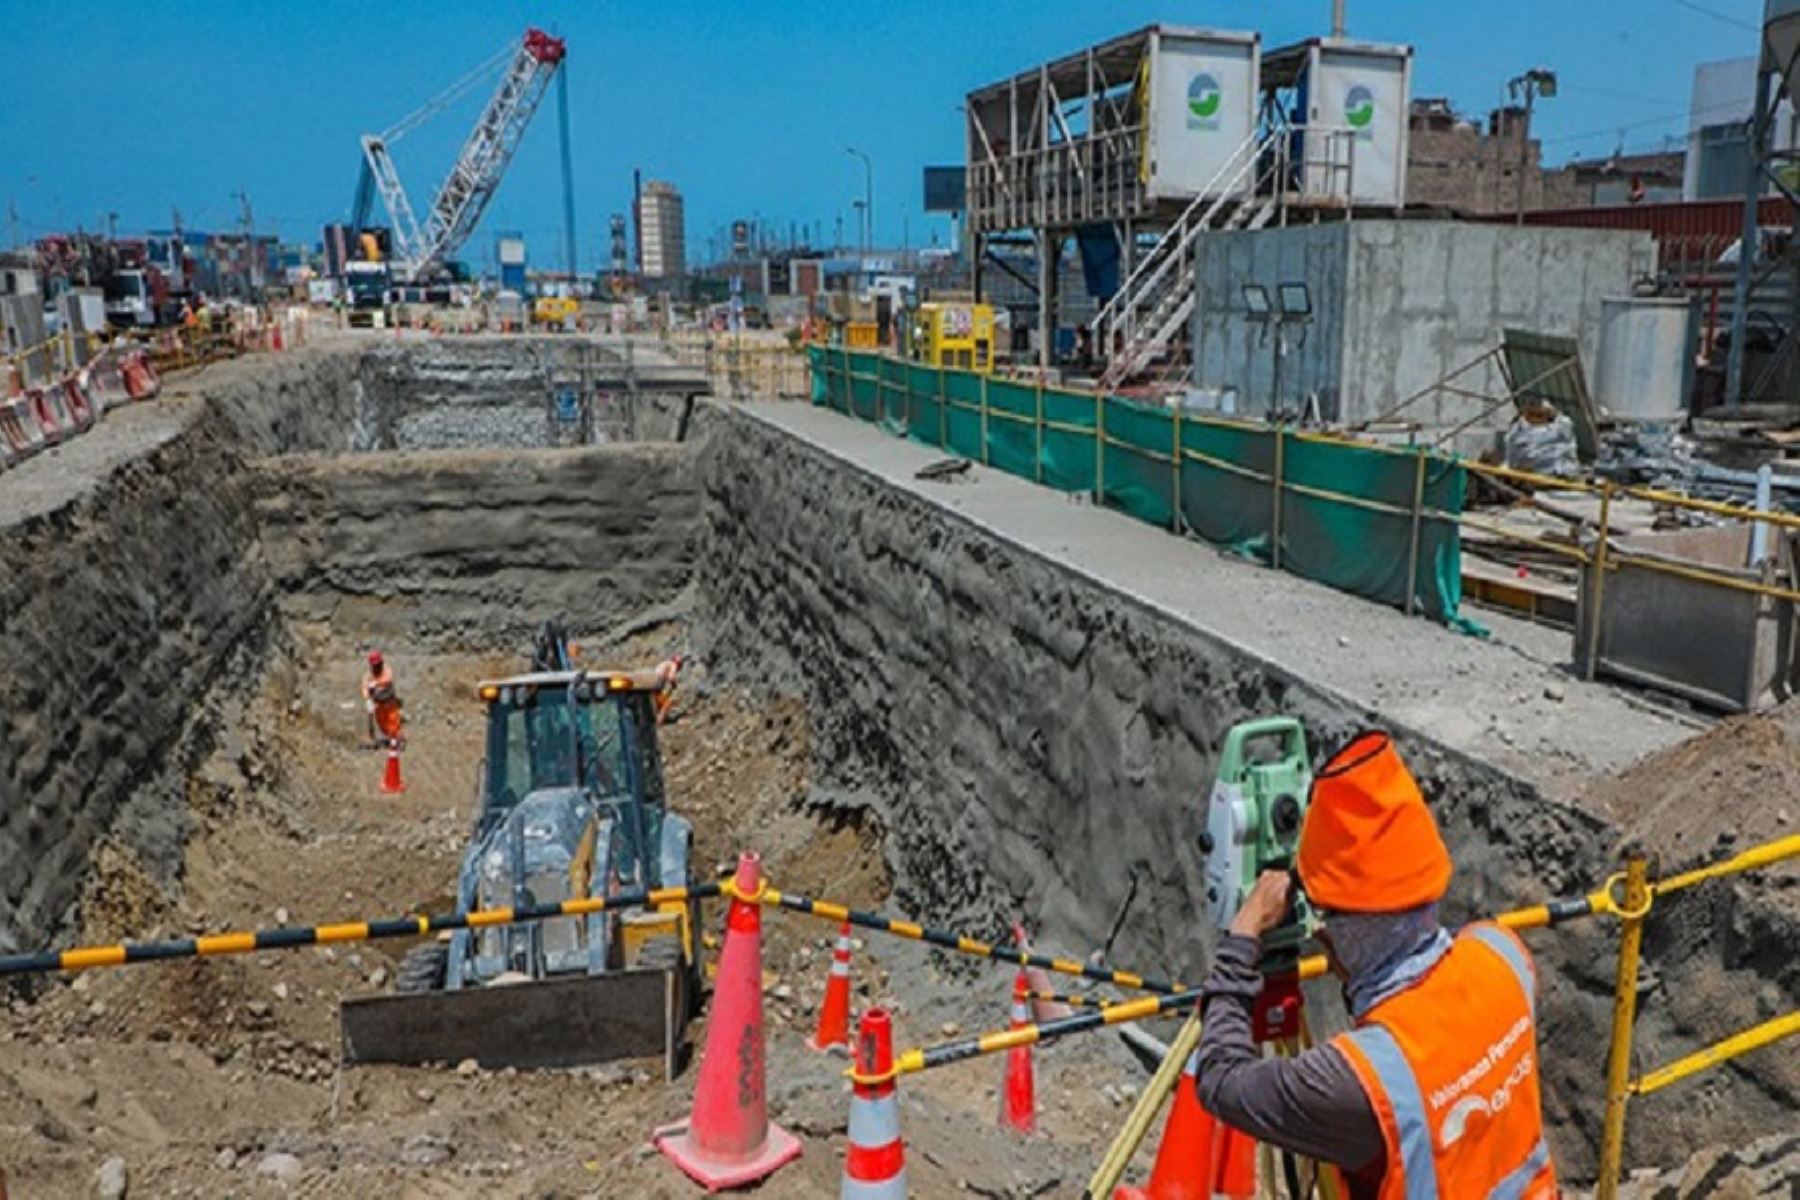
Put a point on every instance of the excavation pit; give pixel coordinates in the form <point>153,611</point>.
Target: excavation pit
<point>971,702</point>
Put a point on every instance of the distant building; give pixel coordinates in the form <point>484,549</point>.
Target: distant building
<point>1719,129</point>
<point>1454,162</point>
<point>662,231</point>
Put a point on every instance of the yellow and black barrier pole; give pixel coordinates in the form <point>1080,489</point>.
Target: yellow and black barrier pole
<point>961,944</point>
<point>412,926</point>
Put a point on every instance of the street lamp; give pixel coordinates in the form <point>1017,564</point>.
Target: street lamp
<point>868,196</point>
<point>1539,81</point>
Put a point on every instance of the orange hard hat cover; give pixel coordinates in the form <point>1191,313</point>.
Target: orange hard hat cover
<point>1369,843</point>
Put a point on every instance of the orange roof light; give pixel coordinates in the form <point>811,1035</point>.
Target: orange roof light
<point>490,692</point>
<point>618,683</point>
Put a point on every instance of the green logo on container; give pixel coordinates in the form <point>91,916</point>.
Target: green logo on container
<point>1359,107</point>
<point>1204,96</point>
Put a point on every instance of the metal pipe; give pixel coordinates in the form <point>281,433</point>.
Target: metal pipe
<point>1618,1057</point>
<point>1749,242</point>
<point>1597,593</point>
<point>1337,18</point>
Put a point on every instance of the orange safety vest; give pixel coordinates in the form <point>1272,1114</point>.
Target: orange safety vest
<point>1450,1066</point>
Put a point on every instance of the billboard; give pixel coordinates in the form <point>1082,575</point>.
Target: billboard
<point>946,189</point>
<point>1203,102</point>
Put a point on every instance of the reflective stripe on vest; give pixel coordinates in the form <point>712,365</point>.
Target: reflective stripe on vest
<point>1412,1128</point>
<point>1514,1185</point>
<point>1418,1164</point>
<point>1497,940</point>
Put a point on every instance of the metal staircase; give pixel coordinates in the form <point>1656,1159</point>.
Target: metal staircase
<point>1157,298</point>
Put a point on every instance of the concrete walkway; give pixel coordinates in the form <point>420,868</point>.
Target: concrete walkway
<point>1511,700</point>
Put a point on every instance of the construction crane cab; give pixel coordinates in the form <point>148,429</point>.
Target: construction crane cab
<point>570,804</point>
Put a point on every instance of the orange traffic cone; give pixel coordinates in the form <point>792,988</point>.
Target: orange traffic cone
<point>1200,1158</point>
<point>875,1164</point>
<point>834,1014</point>
<point>390,778</point>
<point>728,1139</point>
<point>1018,1089</point>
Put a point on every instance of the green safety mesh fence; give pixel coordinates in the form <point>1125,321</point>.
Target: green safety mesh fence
<point>1346,512</point>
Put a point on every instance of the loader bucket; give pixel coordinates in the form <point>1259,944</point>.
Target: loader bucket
<point>565,1022</point>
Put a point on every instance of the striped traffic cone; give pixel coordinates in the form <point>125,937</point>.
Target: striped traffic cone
<point>875,1165</point>
<point>1200,1158</point>
<point>390,777</point>
<point>1018,1088</point>
<point>834,1014</point>
<point>728,1139</point>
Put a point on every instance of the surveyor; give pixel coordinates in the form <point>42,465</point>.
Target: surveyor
<point>383,702</point>
<point>1436,1089</point>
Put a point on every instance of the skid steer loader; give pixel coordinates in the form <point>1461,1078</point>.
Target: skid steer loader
<point>570,803</point>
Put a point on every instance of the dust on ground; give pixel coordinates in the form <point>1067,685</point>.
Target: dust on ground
<point>1736,785</point>
<point>220,1076</point>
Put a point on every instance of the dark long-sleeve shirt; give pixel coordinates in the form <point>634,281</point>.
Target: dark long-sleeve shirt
<point>1310,1104</point>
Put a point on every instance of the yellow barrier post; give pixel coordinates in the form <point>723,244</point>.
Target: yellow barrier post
<point>1037,438</point>
<point>1618,1057</point>
<point>984,420</point>
<point>1275,530</point>
<point>1418,515</point>
<point>1597,593</point>
<point>1100,449</point>
<point>1175,476</point>
<point>943,410</point>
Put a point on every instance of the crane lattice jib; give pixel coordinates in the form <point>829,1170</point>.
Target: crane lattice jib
<point>485,156</point>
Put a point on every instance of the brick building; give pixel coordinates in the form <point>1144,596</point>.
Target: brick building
<point>1455,162</point>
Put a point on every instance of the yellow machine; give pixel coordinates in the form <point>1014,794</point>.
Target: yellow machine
<point>954,335</point>
<point>555,311</point>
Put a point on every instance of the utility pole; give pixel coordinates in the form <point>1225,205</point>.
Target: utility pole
<point>12,219</point>
<point>248,220</point>
<point>868,197</point>
<point>1539,81</point>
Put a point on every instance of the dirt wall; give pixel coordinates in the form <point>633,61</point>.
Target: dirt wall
<point>1038,743</point>
<point>480,545</point>
<point>130,582</point>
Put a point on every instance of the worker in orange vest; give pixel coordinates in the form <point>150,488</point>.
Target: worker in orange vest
<point>383,703</point>
<point>663,699</point>
<point>1436,1090</point>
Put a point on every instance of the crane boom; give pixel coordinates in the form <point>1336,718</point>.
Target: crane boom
<point>464,196</point>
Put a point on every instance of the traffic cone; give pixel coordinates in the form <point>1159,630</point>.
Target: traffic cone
<point>390,778</point>
<point>1018,1089</point>
<point>875,1164</point>
<point>728,1139</point>
<point>834,1014</point>
<point>1200,1158</point>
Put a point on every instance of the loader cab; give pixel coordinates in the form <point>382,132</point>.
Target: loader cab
<point>590,733</point>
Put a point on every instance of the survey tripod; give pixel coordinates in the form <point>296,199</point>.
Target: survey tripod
<point>1278,1023</point>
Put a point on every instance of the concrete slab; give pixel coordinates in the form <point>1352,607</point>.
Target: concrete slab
<point>1510,700</point>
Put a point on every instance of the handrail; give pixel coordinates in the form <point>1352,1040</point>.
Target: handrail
<point>1210,195</point>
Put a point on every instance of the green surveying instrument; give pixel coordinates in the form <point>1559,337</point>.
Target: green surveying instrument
<point>1253,825</point>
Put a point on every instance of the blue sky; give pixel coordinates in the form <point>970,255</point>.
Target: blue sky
<point>748,108</point>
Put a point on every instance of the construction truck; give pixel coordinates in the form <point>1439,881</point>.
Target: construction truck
<point>570,803</point>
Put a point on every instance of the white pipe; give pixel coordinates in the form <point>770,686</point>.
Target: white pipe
<point>1759,532</point>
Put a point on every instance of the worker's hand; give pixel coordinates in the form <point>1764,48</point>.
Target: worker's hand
<point>1265,906</point>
